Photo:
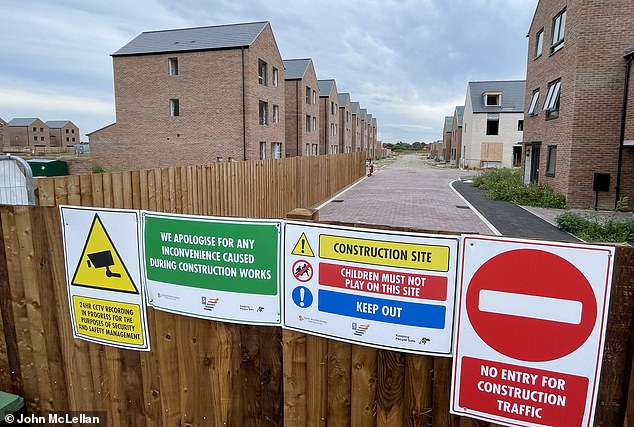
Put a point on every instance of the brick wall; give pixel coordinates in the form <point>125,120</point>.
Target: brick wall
<point>209,87</point>
<point>296,111</point>
<point>345,128</point>
<point>326,119</point>
<point>591,68</point>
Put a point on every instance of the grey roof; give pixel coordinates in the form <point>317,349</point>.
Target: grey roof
<point>343,98</point>
<point>355,106</point>
<point>25,121</point>
<point>57,124</point>
<point>459,112</point>
<point>374,121</point>
<point>448,123</point>
<point>325,87</point>
<point>190,39</point>
<point>368,119</point>
<point>364,113</point>
<point>294,69</point>
<point>513,92</point>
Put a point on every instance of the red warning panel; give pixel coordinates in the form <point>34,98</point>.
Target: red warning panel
<point>383,282</point>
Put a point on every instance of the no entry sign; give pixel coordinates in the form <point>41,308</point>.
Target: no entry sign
<point>530,330</point>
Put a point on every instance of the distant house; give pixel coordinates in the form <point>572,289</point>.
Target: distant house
<point>492,124</point>
<point>364,129</point>
<point>63,133</point>
<point>578,130</point>
<point>455,150</point>
<point>375,131</point>
<point>371,136</point>
<point>195,95</point>
<point>27,132</point>
<point>345,123</point>
<point>355,108</point>
<point>328,117</point>
<point>3,126</point>
<point>302,109</point>
<point>445,151</point>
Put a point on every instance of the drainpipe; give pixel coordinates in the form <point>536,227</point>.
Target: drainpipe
<point>244,112</point>
<point>629,56</point>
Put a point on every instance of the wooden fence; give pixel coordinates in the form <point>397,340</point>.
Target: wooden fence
<point>205,373</point>
<point>254,189</point>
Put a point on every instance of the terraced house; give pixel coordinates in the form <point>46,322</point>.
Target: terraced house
<point>63,133</point>
<point>579,126</point>
<point>302,109</point>
<point>345,123</point>
<point>328,117</point>
<point>26,132</point>
<point>355,109</point>
<point>195,95</point>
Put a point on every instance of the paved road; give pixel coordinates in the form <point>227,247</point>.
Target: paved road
<point>407,192</point>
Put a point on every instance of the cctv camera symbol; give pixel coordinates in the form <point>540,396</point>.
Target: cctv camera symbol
<point>102,259</point>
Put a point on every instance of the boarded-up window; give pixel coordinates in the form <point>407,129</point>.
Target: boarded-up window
<point>492,151</point>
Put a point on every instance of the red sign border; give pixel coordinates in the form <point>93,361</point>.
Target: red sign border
<point>459,296</point>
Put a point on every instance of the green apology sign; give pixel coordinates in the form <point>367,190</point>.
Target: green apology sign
<point>215,255</point>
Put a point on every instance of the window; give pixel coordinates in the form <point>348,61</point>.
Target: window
<point>307,123</point>
<point>314,97</point>
<point>307,95</point>
<point>347,116</point>
<point>262,150</point>
<point>67,139</point>
<point>34,129</point>
<point>314,150</point>
<point>41,138</point>
<point>520,125</point>
<point>492,99</point>
<point>539,43</point>
<point>220,159</point>
<point>174,108</point>
<point>72,131</point>
<point>315,123</point>
<point>276,114</point>
<point>493,124</point>
<point>41,129</point>
<point>551,160</point>
<point>532,109</point>
<point>276,150</point>
<point>275,73</point>
<point>559,28</point>
<point>262,72</point>
<point>264,113</point>
<point>307,149</point>
<point>551,105</point>
<point>34,138</point>
<point>332,107</point>
<point>66,130</point>
<point>73,139</point>
<point>172,66</point>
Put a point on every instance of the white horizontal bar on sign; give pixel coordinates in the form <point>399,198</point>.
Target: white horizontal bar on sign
<point>530,306</point>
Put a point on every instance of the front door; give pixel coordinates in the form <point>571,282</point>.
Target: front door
<point>534,165</point>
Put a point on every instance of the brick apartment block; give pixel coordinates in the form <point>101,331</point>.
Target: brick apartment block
<point>576,73</point>
<point>195,95</point>
<point>371,136</point>
<point>301,107</point>
<point>355,109</point>
<point>328,117</point>
<point>492,124</point>
<point>455,149</point>
<point>27,132</point>
<point>375,136</point>
<point>444,152</point>
<point>345,123</point>
<point>364,129</point>
<point>63,133</point>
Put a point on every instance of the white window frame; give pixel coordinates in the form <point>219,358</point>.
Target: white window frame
<point>307,95</point>
<point>539,43</point>
<point>551,161</point>
<point>175,109</point>
<point>307,123</point>
<point>307,150</point>
<point>559,30</point>
<point>262,72</point>
<point>262,150</point>
<point>314,150</point>
<point>275,76</point>
<point>315,123</point>
<point>263,108</point>
<point>314,97</point>
<point>498,97</point>
<point>172,66</point>
<point>532,109</point>
<point>276,114</point>
<point>276,150</point>
<point>554,89</point>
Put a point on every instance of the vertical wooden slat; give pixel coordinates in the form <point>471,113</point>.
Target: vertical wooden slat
<point>339,383</point>
<point>117,191</point>
<point>390,388</point>
<point>61,190</point>
<point>418,390</point>
<point>74,190</point>
<point>45,191</point>
<point>126,189</point>
<point>166,346</point>
<point>364,380</point>
<point>85,189</point>
<point>316,381</point>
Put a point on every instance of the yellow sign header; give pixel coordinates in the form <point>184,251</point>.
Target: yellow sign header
<point>390,254</point>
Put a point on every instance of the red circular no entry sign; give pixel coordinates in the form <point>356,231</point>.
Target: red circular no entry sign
<point>531,305</point>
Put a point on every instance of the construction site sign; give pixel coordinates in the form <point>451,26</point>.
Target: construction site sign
<point>378,288</point>
<point>219,268</point>
<point>103,271</point>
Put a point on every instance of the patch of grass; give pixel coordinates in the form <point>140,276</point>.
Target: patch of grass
<point>100,169</point>
<point>596,228</point>
<point>506,184</point>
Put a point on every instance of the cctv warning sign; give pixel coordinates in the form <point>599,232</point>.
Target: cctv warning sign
<point>106,298</point>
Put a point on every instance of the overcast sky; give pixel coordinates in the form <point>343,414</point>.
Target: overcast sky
<point>407,61</point>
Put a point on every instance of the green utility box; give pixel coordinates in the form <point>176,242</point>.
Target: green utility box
<point>47,167</point>
<point>9,404</point>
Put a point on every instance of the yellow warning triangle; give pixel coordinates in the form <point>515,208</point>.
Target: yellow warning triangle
<point>302,247</point>
<point>100,265</point>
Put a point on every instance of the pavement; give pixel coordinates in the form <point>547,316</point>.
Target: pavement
<point>411,191</point>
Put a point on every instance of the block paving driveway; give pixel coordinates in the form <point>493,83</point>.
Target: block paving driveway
<point>407,192</point>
